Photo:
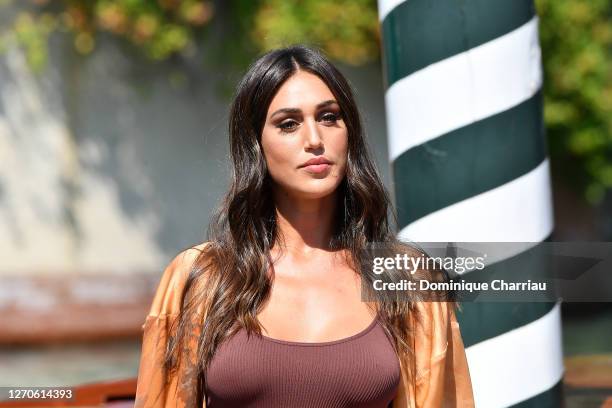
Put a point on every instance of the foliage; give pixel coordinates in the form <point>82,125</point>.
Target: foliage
<point>575,37</point>
<point>159,28</point>
<point>347,30</point>
<point>576,40</point>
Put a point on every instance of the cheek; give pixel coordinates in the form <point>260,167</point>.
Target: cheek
<point>341,147</point>
<point>277,153</point>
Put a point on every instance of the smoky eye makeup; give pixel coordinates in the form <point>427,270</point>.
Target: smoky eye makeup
<point>287,121</point>
<point>329,116</point>
<point>292,118</point>
<point>287,125</point>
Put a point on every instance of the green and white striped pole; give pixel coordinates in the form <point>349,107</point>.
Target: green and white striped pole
<point>468,152</point>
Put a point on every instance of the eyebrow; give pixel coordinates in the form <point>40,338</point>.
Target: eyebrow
<point>297,110</point>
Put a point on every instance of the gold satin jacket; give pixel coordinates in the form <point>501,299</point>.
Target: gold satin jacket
<point>442,375</point>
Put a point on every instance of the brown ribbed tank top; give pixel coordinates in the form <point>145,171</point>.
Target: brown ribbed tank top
<point>258,371</point>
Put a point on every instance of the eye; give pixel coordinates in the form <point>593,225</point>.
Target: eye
<point>287,126</point>
<point>330,117</point>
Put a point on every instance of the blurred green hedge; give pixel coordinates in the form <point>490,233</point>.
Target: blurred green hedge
<point>576,40</point>
<point>575,37</point>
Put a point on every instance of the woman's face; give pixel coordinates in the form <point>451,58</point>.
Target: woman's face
<point>304,123</point>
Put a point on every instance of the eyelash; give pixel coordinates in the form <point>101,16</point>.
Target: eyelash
<point>332,117</point>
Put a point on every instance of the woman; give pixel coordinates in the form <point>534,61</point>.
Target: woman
<point>268,311</point>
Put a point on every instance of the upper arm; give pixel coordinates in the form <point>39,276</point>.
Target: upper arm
<point>443,378</point>
<point>156,386</point>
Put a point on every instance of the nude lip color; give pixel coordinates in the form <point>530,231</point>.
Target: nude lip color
<point>317,165</point>
<point>317,168</point>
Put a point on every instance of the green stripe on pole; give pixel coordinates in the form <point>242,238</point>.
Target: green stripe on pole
<point>551,398</point>
<point>469,161</point>
<point>420,32</point>
<point>501,317</point>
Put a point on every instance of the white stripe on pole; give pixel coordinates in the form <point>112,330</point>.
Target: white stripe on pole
<point>463,89</point>
<point>518,364</point>
<point>518,211</point>
<point>385,7</point>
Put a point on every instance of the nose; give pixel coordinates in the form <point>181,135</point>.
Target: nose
<point>313,138</point>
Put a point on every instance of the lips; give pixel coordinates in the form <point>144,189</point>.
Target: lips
<point>317,165</point>
<point>316,161</point>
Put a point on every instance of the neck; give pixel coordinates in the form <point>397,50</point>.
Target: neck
<point>306,225</point>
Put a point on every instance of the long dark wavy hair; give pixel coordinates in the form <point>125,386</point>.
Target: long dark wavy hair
<point>230,279</point>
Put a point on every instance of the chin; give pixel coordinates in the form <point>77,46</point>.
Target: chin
<point>319,194</point>
<point>310,188</point>
<point>315,192</point>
